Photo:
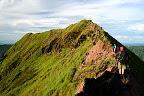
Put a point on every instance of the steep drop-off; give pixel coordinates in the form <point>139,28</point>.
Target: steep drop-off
<point>57,62</point>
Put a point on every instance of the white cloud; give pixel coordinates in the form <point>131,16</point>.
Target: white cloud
<point>102,11</point>
<point>122,37</point>
<point>6,3</point>
<point>19,5</point>
<point>138,28</point>
<point>126,37</point>
<point>41,22</point>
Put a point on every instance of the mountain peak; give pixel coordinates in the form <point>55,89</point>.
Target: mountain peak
<point>86,21</point>
<point>56,62</point>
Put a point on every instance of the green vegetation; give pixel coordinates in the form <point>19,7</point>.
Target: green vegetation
<point>138,50</point>
<point>48,63</point>
<point>45,63</point>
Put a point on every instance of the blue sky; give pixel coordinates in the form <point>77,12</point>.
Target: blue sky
<point>123,19</point>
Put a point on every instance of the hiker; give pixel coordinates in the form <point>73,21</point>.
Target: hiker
<point>122,62</point>
<point>114,48</point>
<point>117,56</point>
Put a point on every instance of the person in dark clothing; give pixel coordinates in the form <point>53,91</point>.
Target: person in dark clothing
<point>114,47</point>
<point>123,60</point>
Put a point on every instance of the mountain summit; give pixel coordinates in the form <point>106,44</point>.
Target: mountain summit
<point>66,62</point>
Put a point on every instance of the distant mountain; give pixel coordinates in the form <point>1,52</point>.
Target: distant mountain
<point>77,60</point>
<point>3,49</point>
<point>138,50</point>
<point>6,42</point>
<point>1,43</point>
<point>134,44</point>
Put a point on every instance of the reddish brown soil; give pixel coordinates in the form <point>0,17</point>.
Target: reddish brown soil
<point>97,51</point>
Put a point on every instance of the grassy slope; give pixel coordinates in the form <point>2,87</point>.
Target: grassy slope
<point>138,50</point>
<point>26,70</point>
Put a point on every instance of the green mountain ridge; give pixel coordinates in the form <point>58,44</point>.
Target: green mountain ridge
<point>52,63</point>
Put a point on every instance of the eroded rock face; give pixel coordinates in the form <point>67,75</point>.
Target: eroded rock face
<point>98,51</point>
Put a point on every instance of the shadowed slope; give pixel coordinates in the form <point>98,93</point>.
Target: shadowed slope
<point>109,84</point>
